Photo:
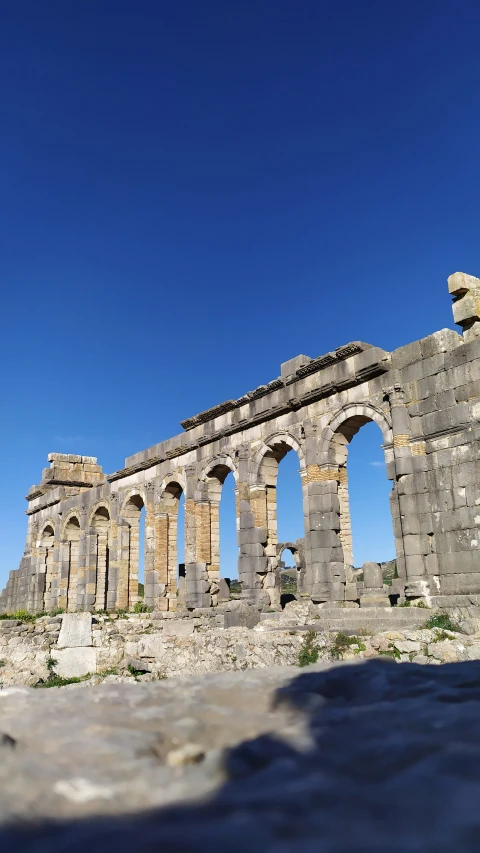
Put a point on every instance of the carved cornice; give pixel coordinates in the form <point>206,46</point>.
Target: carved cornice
<point>327,389</point>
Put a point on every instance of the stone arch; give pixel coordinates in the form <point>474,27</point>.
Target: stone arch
<point>69,566</point>
<point>46,566</point>
<point>134,502</point>
<point>277,445</point>
<point>48,530</point>
<point>333,453</point>
<point>294,550</point>
<point>211,481</point>
<point>99,505</point>
<point>347,422</point>
<point>73,518</point>
<point>263,502</point>
<point>215,473</point>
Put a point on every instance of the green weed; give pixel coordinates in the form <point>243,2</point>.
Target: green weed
<point>442,620</point>
<point>308,652</point>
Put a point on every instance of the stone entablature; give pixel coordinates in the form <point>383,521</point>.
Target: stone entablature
<point>83,527</point>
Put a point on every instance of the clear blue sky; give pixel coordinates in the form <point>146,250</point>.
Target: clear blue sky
<point>194,192</point>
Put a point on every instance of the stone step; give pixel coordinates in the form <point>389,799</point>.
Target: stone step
<point>372,619</point>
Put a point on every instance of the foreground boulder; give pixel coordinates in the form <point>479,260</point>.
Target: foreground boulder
<point>351,757</point>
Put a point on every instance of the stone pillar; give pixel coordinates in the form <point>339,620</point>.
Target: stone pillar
<point>149,548</point>
<point>64,566</point>
<point>102,567</point>
<point>323,548</point>
<point>90,568</point>
<point>124,565</point>
<point>112,577</point>
<point>410,482</point>
<point>252,536</point>
<point>81,589</point>
<point>197,544</point>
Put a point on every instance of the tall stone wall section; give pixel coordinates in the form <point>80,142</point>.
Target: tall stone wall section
<point>83,526</point>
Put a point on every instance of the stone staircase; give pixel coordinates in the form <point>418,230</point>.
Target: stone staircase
<point>356,619</point>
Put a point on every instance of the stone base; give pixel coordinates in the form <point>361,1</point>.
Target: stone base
<point>379,600</point>
<point>75,662</point>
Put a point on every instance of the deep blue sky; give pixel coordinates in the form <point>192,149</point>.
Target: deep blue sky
<point>194,192</point>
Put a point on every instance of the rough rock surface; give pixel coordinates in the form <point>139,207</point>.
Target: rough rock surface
<point>364,757</point>
<point>193,645</point>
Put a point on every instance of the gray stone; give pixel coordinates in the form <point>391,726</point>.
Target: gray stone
<point>242,617</point>
<point>178,627</point>
<point>76,661</point>
<point>372,576</point>
<point>76,630</point>
<point>245,766</point>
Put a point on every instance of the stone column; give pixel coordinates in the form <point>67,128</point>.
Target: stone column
<point>81,590</point>
<point>112,577</point>
<point>408,472</point>
<point>90,568</point>
<point>149,547</point>
<point>197,543</point>
<point>252,536</point>
<point>124,560</point>
<point>323,547</point>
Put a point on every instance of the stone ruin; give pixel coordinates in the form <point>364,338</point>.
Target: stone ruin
<point>82,541</point>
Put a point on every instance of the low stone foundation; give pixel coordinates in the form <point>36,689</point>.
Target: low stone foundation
<point>152,646</point>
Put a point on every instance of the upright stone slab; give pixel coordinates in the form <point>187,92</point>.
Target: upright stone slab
<point>76,630</point>
<point>374,594</point>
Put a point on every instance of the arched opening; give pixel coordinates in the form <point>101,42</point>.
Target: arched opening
<point>223,565</point>
<point>169,547</point>
<point>105,594</point>
<point>364,493</point>
<point>290,568</point>
<point>46,556</point>
<point>70,571</point>
<point>278,506</point>
<point>132,585</point>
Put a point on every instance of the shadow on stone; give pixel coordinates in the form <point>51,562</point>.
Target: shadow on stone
<point>378,757</point>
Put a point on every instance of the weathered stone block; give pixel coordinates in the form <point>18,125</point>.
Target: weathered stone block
<point>76,630</point>
<point>75,662</point>
<point>178,627</point>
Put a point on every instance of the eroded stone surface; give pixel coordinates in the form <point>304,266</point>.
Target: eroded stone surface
<point>76,630</point>
<point>75,662</point>
<point>370,757</point>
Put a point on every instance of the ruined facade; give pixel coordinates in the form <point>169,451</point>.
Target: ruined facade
<point>83,526</point>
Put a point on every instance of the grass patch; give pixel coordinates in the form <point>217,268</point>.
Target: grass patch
<point>22,615</point>
<point>405,603</point>
<point>141,607</point>
<point>442,635</point>
<point>308,652</point>
<point>391,652</point>
<point>343,643</point>
<point>135,672</point>
<point>57,680</point>
<point>442,620</point>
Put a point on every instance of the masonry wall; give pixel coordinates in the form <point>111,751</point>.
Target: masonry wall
<point>82,542</point>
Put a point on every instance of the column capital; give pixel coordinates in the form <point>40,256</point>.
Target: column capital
<point>396,395</point>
